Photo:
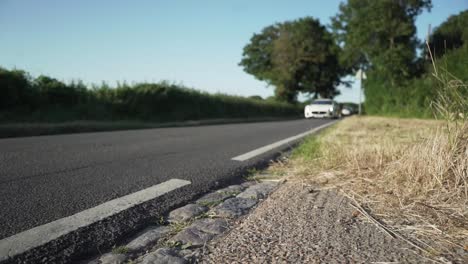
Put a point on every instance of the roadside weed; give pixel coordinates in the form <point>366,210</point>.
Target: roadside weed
<point>173,244</point>
<point>210,204</point>
<point>120,250</point>
<point>179,226</point>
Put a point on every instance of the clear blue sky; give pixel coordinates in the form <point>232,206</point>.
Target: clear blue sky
<point>197,43</point>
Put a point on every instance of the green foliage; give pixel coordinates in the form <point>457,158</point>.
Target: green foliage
<point>210,204</point>
<point>120,250</point>
<point>16,90</point>
<point>379,36</point>
<point>294,56</point>
<point>414,97</point>
<point>55,93</point>
<point>257,55</point>
<point>456,62</point>
<point>47,99</point>
<point>256,97</point>
<point>173,244</point>
<point>451,102</point>
<point>410,99</point>
<point>309,149</point>
<point>178,226</point>
<point>452,34</point>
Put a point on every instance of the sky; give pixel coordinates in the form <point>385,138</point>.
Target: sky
<point>194,43</point>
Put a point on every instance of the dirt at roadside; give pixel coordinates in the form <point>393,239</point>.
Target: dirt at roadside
<point>299,224</point>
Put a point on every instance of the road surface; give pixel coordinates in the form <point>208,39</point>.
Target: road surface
<point>50,177</point>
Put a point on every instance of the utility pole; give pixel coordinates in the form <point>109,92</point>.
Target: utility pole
<point>427,46</point>
<point>360,91</point>
<point>360,75</point>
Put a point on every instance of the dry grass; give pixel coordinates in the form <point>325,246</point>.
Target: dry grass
<point>410,173</point>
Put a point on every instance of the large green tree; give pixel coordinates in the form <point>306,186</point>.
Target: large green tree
<point>379,34</point>
<point>16,90</point>
<point>452,34</point>
<point>295,56</point>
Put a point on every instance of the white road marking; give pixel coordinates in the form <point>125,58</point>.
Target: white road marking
<point>271,146</point>
<point>43,234</point>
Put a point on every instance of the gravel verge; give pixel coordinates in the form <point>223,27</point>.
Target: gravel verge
<point>298,224</point>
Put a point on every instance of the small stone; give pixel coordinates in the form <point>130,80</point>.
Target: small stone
<point>111,258</point>
<point>148,238</point>
<point>213,198</point>
<point>192,237</point>
<point>164,256</point>
<point>247,184</point>
<point>356,213</point>
<point>234,207</point>
<point>186,253</point>
<point>212,226</point>
<point>258,191</point>
<point>93,261</point>
<point>250,194</point>
<point>186,213</point>
<point>232,189</point>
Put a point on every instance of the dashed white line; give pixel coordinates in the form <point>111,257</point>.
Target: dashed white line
<point>274,145</point>
<point>40,235</point>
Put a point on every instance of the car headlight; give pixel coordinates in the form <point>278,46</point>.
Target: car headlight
<point>331,109</point>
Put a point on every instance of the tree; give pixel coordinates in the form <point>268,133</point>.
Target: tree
<point>55,92</point>
<point>379,35</point>
<point>16,89</point>
<point>256,97</point>
<point>452,34</point>
<point>294,56</point>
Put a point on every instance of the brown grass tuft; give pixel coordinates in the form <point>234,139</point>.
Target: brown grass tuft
<point>410,173</point>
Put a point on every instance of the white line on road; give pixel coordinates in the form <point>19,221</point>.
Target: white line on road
<point>267,148</point>
<point>40,235</point>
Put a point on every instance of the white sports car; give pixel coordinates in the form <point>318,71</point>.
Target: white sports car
<point>322,108</point>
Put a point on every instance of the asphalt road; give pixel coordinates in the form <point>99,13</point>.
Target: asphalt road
<point>49,177</point>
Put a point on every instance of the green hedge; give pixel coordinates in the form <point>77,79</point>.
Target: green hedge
<point>414,96</point>
<point>44,99</point>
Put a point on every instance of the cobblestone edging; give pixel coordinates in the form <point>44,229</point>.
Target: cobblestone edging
<point>181,236</point>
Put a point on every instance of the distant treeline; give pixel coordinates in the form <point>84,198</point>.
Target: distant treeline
<point>378,37</point>
<point>45,99</point>
<point>412,95</point>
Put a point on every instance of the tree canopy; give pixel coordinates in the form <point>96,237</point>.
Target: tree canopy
<point>379,35</point>
<point>295,56</point>
<point>452,34</point>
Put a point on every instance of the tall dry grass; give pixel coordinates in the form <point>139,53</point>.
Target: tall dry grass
<point>409,173</point>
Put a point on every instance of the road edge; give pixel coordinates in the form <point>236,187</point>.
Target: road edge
<point>107,232</point>
<point>13,130</point>
<point>86,232</point>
